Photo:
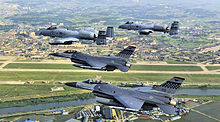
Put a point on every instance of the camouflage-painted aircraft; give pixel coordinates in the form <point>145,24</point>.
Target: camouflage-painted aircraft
<point>148,29</point>
<point>134,99</point>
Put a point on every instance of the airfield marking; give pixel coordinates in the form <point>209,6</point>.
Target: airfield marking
<point>201,104</point>
<point>10,60</point>
<point>203,67</point>
<point>203,113</point>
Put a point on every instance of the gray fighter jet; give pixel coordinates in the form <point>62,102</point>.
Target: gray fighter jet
<point>134,99</point>
<point>105,63</point>
<point>148,29</point>
<point>69,36</point>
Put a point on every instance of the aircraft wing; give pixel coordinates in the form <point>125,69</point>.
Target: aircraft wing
<point>130,102</point>
<point>95,63</point>
<point>67,40</point>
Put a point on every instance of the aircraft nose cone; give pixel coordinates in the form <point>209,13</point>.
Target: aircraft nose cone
<point>42,32</point>
<point>71,84</point>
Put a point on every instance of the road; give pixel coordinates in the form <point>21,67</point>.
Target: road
<point>9,60</point>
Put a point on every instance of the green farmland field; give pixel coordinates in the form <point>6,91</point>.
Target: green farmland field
<point>69,66</point>
<point>7,91</point>
<point>213,67</point>
<point>165,68</point>
<point>107,76</point>
<point>39,66</point>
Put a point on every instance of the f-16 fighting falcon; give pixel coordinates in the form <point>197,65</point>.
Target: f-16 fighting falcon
<point>105,63</point>
<point>148,29</point>
<point>134,99</point>
<point>69,36</point>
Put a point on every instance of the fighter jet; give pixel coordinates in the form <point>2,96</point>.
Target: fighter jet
<point>69,36</point>
<point>105,63</point>
<point>148,29</point>
<point>134,99</point>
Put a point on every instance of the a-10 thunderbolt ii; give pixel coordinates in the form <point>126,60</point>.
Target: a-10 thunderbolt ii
<point>70,36</point>
<point>148,29</point>
<point>105,63</point>
<point>134,99</point>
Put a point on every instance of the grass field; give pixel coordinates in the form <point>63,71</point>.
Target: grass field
<point>110,76</point>
<point>213,67</point>
<point>165,68</point>
<point>1,64</point>
<point>39,66</point>
<point>7,92</point>
<point>69,66</point>
<point>194,117</point>
<point>211,109</point>
<point>50,99</point>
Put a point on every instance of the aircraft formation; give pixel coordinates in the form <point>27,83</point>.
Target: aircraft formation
<point>70,36</point>
<point>133,99</point>
<point>148,29</point>
<point>102,37</point>
<point>103,63</point>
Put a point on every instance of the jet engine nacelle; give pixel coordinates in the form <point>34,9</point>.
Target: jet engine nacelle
<point>86,34</point>
<point>144,32</point>
<point>106,101</point>
<point>160,27</point>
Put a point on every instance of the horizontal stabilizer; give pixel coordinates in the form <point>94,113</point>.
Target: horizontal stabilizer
<point>123,68</point>
<point>168,109</point>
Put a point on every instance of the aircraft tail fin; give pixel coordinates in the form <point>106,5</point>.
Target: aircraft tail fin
<point>101,40</point>
<point>170,86</point>
<point>110,32</point>
<point>174,29</point>
<point>103,36</point>
<point>127,52</point>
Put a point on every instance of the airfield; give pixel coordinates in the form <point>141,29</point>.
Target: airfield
<point>23,82</point>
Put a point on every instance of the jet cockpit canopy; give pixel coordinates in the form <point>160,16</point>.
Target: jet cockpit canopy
<point>52,28</point>
<point>92,81</point>
<point>129,22</point>
<point>70,51</point>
